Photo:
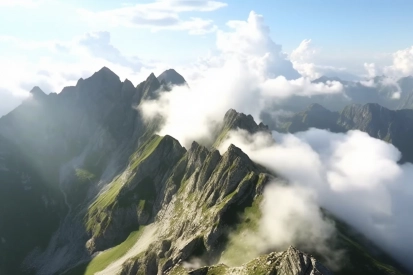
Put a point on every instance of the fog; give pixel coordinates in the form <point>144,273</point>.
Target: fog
<point>355,177</point>
<point>248,77</point>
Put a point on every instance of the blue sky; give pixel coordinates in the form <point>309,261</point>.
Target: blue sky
<point>339,27</point>
<point>49,42</point>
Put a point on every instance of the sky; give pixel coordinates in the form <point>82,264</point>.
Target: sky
<point>52,43</point>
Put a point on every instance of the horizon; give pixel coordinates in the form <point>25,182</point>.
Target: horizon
<point>150,36</point>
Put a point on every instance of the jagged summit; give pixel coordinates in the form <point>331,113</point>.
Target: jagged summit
<point>151,77</point>
<point>37,93</point>
<point>149,88</point>
<point>171,77</point>
<point>234,120</point>
<point>104,75</point>
<point>105,72</point>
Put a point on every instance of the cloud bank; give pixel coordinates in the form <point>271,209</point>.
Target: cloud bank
<point>355,177</point>
<point>402,65</point>
<point>247,77</point>
<point>305,60</point>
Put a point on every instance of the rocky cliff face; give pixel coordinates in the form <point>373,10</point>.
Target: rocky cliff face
<point>195,202</point>
<point>171,77</point>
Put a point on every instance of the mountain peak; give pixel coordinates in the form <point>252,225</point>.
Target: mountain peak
<point>105,73</point>
<point>171,77</point>
<point>151,77</point>
<point>37,93</point>
<point>234,120</point>
<point>315,107</point>
<point>105,69</point>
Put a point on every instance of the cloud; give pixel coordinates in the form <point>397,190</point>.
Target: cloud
<point>304,59</point>
<point>402,62</point>
<point>383,84</point>
<point>355,177</point>
<point>251,39</point>
<point>159,15</point>
<point>9,101</point>
<point>402,65</point>
<point>243,75</point>
<point>371,69</point>
<point>98,45</point>
<point>292,216</point>
<point>66,62</point>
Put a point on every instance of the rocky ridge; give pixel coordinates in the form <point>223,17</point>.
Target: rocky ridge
<point>291,261</point>
<point>121,199</point>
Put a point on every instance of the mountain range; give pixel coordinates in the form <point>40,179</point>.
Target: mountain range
<point>393,126</point>
<point>381,90</point>
<point>87,186</point>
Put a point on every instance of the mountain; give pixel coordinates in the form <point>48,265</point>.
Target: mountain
<point>88,187</point>
<point>89,127</point>
<point>392,94</point>
<point>314,116</point>
<point>394,126</point>
<point>171,77</point>
<point>233,121</point>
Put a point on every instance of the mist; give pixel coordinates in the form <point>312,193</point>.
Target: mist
<point>247,77</point>
<point>355,177</point>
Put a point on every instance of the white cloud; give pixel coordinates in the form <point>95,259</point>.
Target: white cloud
<point>371,69</point>
<point>244,75</point>
<point>376,79</point>
<point>292,216</point>
<point>402,65</point>
<point>250,40</point>
<point>302,59</point>
<point>158,15</point>
<point>305,61</point>
<point>354,176</point>
<point>402,62</point>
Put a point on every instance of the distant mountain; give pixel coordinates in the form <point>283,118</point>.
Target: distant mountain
<point>391,94</point>
<point>87,186</point>
<point>394,126</point>
<point>233,121</point>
